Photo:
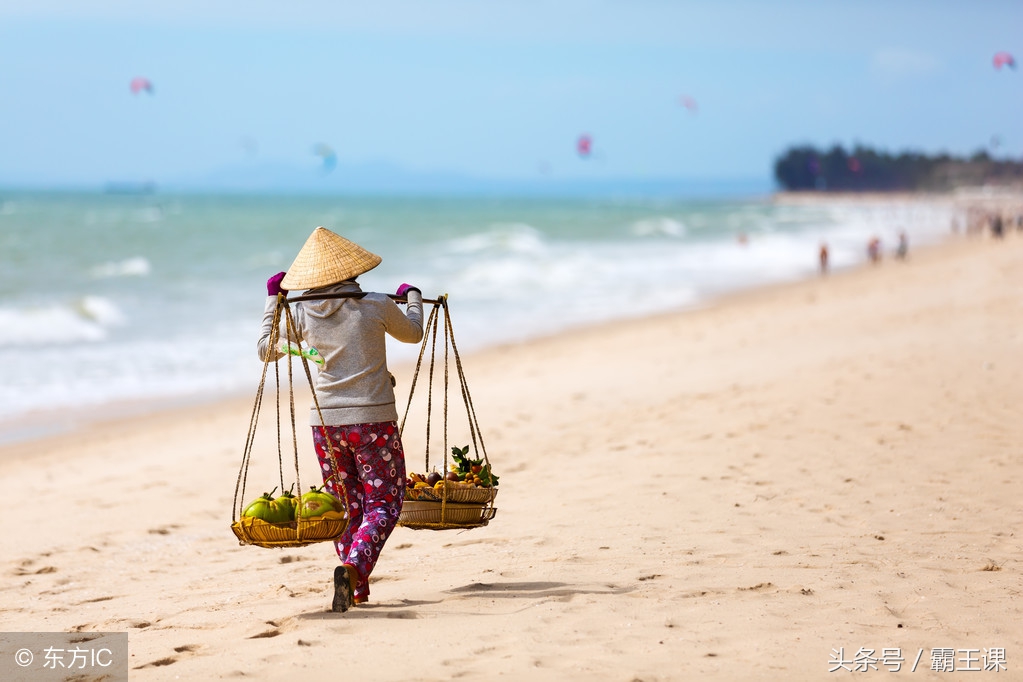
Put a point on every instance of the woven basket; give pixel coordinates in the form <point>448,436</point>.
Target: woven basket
<point>455,493</point>
<point>299,533</point>
<point>418,514</point>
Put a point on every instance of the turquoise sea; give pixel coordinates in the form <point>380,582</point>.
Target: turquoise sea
<point>112,298</point>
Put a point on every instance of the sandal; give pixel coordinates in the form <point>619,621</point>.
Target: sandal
<point>342,590</point>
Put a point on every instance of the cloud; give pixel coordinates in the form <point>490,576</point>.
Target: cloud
<point>901,62</point>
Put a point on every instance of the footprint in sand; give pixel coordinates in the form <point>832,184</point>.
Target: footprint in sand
<point>40,571</point>
<point>170,660</point>
<point>157,663</point>
<point>756,588</point>
<point>277,628</point>
<point>266,634</point>
<point>94,600</point>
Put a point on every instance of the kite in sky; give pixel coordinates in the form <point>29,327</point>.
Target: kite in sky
<point>249,144</point>
<point>584,145</point>
<point>139,84</point>
<point>689,103</point>
<point>1003,59</point>
<point>325,152</point>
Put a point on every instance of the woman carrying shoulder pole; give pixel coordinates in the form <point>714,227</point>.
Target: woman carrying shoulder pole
<point>354,392</point>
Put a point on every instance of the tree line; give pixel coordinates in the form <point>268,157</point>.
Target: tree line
<point>864,169</point>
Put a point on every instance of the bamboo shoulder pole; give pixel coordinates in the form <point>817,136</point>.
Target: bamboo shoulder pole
<point>323,297</point>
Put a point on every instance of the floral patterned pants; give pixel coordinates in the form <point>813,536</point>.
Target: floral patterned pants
<point>372,468</point>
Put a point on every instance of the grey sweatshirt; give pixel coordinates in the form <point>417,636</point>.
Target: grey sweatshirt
<point>353,386</point>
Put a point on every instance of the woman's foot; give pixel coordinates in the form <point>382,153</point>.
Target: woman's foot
<point>342,590</point>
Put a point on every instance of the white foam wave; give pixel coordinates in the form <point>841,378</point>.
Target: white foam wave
<point>101,310</point>
<point>508,238</point>
<point>507,281</point>
<point>130,267</point>
<point>96,373</point>
<point>85,320</point>
<point>507,294</point>
<point>658,227</point>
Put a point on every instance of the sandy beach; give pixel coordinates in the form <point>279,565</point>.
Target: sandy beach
<point>755,490</point>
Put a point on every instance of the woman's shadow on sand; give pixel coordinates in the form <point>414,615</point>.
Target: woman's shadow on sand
<point>531,591</point>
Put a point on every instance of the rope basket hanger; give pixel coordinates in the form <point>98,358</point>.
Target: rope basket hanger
<point>447,504</point>
<point>301,530</point>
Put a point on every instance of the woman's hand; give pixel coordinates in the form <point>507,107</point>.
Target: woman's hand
<point>404,288</point>
<point>273,285</point>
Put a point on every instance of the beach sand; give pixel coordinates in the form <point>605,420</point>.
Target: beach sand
<point>754,490</point>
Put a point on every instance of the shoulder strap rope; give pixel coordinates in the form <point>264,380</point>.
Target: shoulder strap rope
<point>474,426</point>
<point>439,309</point>
<point>430,323</point>
<point>281,310</point>
<point>239,486</point>
<point>338,482</point>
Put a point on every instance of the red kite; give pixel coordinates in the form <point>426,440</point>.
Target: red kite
<point>1003,59</point>
<point>584,145</point>
<point>138,84</point>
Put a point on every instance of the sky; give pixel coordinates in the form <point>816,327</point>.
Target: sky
<point>498,90</point>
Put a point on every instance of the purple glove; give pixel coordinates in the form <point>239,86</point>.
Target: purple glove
<point>404,289</point>
<point>273,285</point>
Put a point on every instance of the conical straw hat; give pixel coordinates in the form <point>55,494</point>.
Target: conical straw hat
<point>327,258</point>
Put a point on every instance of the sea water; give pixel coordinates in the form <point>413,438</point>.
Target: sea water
<point>107,298</point>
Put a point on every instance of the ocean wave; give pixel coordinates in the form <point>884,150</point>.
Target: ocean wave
<point>130,267</point>
<point>514,273</point>
<point>658,227</point>
<point>101,310</point>
<point>506,238</point>
<point>127,369</point>
<point>87,319</point>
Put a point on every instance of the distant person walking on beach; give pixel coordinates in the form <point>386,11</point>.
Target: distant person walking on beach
<point>354,391</point>
<point>997,226</point>
<point>874,250</point>
<point>823,256</point>
<point>903,249</point>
